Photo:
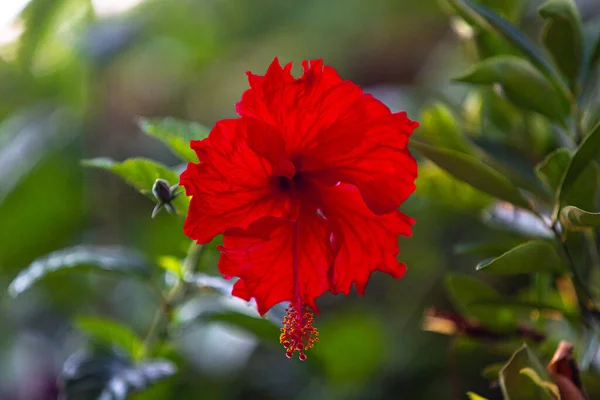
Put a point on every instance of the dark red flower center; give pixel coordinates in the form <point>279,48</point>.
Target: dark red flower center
<point>284,184</point>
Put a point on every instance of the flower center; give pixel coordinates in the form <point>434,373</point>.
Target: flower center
<point>284,183</point>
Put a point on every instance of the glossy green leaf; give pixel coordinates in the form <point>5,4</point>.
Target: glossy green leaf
<point>439,188</point>
<point>574,218</point>
<point>175,134</point>
<point>475,396</point>
<point>109,376</point>
<point>504,216</point>
<point>521,83</point>
<point>474,172</point>
<point>86,258</point>
<point>563,36</point>
<point>517,385</point>
<point>586,152</point>
<point>552,169</point>
<point>549,387</point>
<point>486,249</point>
<point>141,173</point>
<point>530,257</point>
<point>439,127</point>
<point>517,39</point>
<point>111,333</point>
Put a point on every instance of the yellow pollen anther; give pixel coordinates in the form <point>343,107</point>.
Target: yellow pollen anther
<point>297,333</point>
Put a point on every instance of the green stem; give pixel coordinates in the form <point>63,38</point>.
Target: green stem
<point>577,280</point>
<point>188,267</point>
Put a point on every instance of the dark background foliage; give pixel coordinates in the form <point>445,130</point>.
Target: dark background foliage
<point>76,76</point>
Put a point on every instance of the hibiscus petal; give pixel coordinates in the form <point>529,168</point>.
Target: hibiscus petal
<point>366,242</point>
<point>233,185</point>
<point>265,266</point>
<point>335,132</point>
<point>381,167</point>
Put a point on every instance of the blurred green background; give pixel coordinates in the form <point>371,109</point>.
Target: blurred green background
<point>76,74</point>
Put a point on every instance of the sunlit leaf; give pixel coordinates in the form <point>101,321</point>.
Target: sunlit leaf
<point>530,257</point>
<point>111,333</point>
<point>518,386</point>
<point>90,258</point>
<point>475,396</point>
<point>440,188</point>
<point>38,17</point>
<point>488,19</point>
<point>141,173</point>
<point>548,386</point>
<point>574,218</point>
<point>586,152</point>
<point>521,83</point>
<point>563,36</point>
<point>171,264</point>
<point>439,127</point>
<point>176,134</point>
<point>109,376</point>
<point>474,172</point>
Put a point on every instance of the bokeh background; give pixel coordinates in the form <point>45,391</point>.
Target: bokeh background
<point>75,75</point>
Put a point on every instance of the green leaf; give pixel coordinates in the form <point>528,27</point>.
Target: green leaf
<point>563,36</point>
<point>504,216</point>
<point>486,249</point>
<point>475,396</point>
<point>492,371</point>
<point>586,152</point>
<point>472,171</point>
<point>38,18</point>
<point>93,258</point>
<point>439,127</point>
<point>517,39</point>
<point>574,218</point>
<point>552,169</point>
<point>111,333</point>
<point>176,134</point>
<point>519,386</point>
<point>521,83</point>
<point>141,173</point>
<point>439,188</point>
<point>465,290</point>
<point>530,257</point>
<point>550,388</point>
<point>109,376</point>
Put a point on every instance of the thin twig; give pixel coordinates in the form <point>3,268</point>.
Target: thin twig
<point>188,267</point>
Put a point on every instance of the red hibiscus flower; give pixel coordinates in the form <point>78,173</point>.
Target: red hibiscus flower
<point>304,187</point>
